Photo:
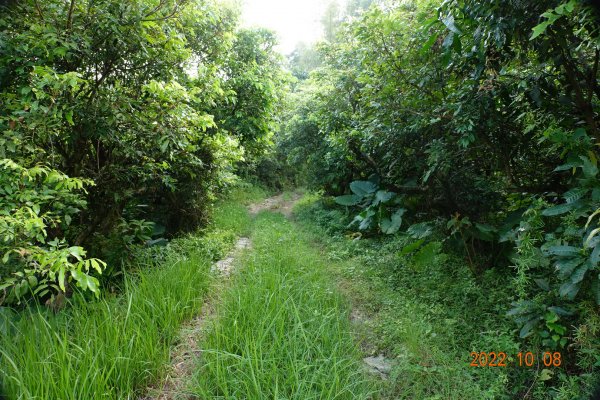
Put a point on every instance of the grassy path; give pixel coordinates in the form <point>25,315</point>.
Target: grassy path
<point>276,330</point>
<point>113,348</point>
<point>281,332</point>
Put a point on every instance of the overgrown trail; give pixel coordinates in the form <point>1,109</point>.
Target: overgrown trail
<point>276,330</point>
<point>184,355</point>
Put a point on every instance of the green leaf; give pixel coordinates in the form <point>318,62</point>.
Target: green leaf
<point>97,265</point>
<point>86,282</point>
<point>429,44</point>
<point>590,170</point>
<point>383,196</point>
<point>579,273</point>
<point>451,25</point>
<point>348,200</point>
<point>539,29</point>
<point>420,230</point>
<point>448,42</point>
<point>427,255</point>
<point>563,251</point>
<point>363,188</point>
<point>409,248</point>
<point>568,166</point>
<point>575,194</point>
<point>33,281</point>
<point>77,252</point>
<point>527,329</point>
<point>485,232</point>
<point>61,278</point>
<point>560,209</point>
<point>546,375</point>
<point>569,290</point>
<point>565,267</point>
<point>391,225</point>
<point>69,117</point>
<point>560,311</point>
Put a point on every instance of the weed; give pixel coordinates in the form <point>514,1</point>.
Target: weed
<point>282,331</point>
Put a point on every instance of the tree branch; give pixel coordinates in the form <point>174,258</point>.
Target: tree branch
<point>39,10</point>
<point>70,15</point>
<point>593,82</point>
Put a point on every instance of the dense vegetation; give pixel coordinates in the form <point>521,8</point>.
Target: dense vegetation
<point>452,147</point>
<point>282,332</point>
<point>120,121</point>
<point>116,347</point>
<point>470,127</point>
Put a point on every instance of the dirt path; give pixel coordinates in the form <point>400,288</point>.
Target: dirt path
<point>283,203</point>
<point>184,356</point>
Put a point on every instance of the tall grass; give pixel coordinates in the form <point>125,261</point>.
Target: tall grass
<point>105,349</point>
<point>281,333</point>
<point>115,347</point>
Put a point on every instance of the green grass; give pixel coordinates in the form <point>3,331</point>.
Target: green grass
<point>281,331</point>
<point>232,215</point>
<point>104,349</point>
<point>427,319</point>
<point>113,348</point>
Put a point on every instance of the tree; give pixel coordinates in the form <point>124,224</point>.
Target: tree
<point>123,96</point>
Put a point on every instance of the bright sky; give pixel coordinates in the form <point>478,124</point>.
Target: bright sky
<point>293,20</point>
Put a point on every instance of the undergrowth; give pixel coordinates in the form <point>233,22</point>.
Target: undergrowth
<point>282,332</point>
<point>429,318</point>
<point>114,347</point>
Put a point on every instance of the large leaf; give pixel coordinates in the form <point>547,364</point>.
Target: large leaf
<point>348,200</point>
<point>420,230</point>
<point>427,255</point>
<point>560,311</point>
<point>568,166</point>
<point>484,232</point>
<point>539,29</point>
<point>86,282</point>
<point>365,224</point>
<point>569,290</point>
<point>409,248</point>
<point>575,194</point>
<point>590,170</point>
<point>365,219</point>
<point>560,209</point>
<point>528,328</point>
<point>392,225</point>
<point>563,251</point>
<point>363,188</point>
<point>451,25</point>
<point>383,196</point>
<point>580,272</point>
<point>566,266</point>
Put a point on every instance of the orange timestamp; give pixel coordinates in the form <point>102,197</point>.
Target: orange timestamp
<point>523,359</point>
